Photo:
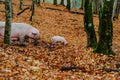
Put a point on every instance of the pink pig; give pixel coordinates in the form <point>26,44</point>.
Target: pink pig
<point>56,39</point>
<point>20,31</point>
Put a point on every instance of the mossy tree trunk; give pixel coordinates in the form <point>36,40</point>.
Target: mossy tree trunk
<point>105,28</point>
<point>55,2</point>
<point>68,5</point>
<point>21,4</point>
<point>33,10</point>
<point>8,13</point>
<point>88,24</point>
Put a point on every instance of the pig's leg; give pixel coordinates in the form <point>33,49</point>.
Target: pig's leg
<point>35,39</point>
<point>21,42</point>
<point>26,39</point>
<point>14,40</point>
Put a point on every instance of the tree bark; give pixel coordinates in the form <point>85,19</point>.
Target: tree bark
<point>33,10</point>
<point>96,6</point>
<point>88,24</point>
<point>55,2</point>
<point>117,10</point>
<point>21,5</point>
<point>38,2</point>
<point>43,0</point>
<point>62,2</point>
<point>105,28</point>
<point>68,5</point>
<point>83,4</point>
<point>8,14</point>
<point>114,8</point>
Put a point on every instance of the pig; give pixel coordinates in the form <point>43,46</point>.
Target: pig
<point>20,31</point>
<point>56,39</point>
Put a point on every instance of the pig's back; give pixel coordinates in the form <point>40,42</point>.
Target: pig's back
<point>20,27</point>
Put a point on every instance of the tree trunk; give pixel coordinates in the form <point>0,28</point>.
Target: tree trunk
<point>76,4</point>
<point>8,14</point>
<point>114,8</point>
<point>88,24</point>
<point>33,10</point>
<point>68,5</point>
<point>21,5</point>
<point>96,6</point>
<point>117,10</point>
<point>82,5</point>
<point>62,2</point>
<point>105,28</point>
<point>43,0</point>
<point>55,2</point>
<point>38,2</point>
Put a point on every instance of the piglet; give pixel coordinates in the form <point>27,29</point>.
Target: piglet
<point>21,32</point>
<point>56,39</point>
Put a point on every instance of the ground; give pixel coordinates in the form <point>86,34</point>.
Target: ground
<point>45,63</point>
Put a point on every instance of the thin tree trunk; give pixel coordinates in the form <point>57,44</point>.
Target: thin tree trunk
<point>82,5</point>
<point>33,10</point>
<point>21,5</point>
<point>68,5</point>
<point>117,10</point>
<point>38,2</point>
<point>62,2</point>
<point>88,24</point>
<point>105,28</point>
<point>114,8</point>
<point>55,2</point>
<point>96,6</point>
<point>43,0</point>
<point>8,14</point>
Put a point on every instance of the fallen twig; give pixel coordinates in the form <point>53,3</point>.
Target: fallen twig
<point>2,11</point>
<point>23,10</point>
<point>74,12</point>
<point>117,65</point>
<point>67,68</point>
<point>111,70</point>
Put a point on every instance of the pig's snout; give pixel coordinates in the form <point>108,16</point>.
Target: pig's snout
<point>34,35</point>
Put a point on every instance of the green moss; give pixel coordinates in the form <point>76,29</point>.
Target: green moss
<point>88,25</point>
<point>103,50</point>
<point>105,30</point>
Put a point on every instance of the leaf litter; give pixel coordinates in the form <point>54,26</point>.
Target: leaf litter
<point>45,62</point>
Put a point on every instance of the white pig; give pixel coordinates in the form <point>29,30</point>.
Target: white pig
<point>56,39</point>
<point>20,31</point>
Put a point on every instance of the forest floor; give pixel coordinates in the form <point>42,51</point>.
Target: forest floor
<point>43,63</point>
